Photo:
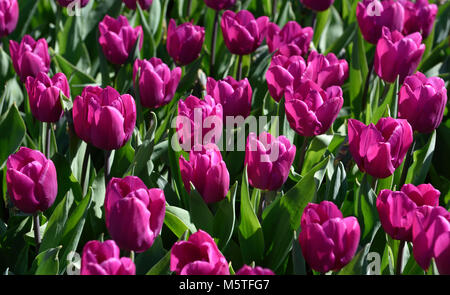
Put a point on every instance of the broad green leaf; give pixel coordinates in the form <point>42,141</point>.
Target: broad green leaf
<point>178,221</point>
<point>47,262</point>
<point>200,214</point>
<point>422,162</point>
<point>225,218</point>
<point>12,133</point>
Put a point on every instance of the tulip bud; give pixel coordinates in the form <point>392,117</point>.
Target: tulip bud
<point>9,15</point>
<point>157,84</point>
<point>234,96</point>
<point>317,5</point>
<point>118,38</point>
<point>254,271</point>
<point>134,214</point>
<point>379,149</point>
<point>132,4</point>
<point>373,15</point>
<point>326,71</point>
<point>242,33</point>
<point>31,180</point>
<point>104,259</point>
<point>198,255</point>
<point>220,4</point>
<point>66,3</point>
<point>419,17</point>
<point>311,110</point>
<point>291,40</point>
<point>44,95</point>
<point>184,43</point>
<point>268,160</point>
<point>423,194</point>
<point>103,117</point>
<point>329,241</point>
<point>207,172</point>
<point>30,57</point>
<point>422,102</point>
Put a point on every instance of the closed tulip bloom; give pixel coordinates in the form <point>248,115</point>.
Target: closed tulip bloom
<point>66,3</point>
<point>311,110</point>
<point>103,117</point>
<point>373,15</point>
<point>132,4</point>
<point>319,213</point>
<point>104,259</point>
<point>9,15</point>
<point>291,40</point>
<point>118,38</point>
<point>379,149</point>
<point>329,242</point>
<point>282,73</point>
<point>220,4</point>
<point>397,55</point>
<point>31,180</point>
<point>30,57</point>
<point>254,271</point>
<point>317,5</point>
<point>134,214</point>
<point>185,42</point>
<point>242,33</point>
<point>422,102</point>
<point>327,70</point>
<point>419,17</point>
<point>157,83</point>
<point>423,194</point>
<point>268,160</point>
<point>207,172</point>
<point>44,96</point>
<point>198,255</point>
<point>234,96</point>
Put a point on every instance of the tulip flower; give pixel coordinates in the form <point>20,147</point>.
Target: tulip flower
<point>422,102</point>
<point>379,149</point>
<point>419,17</point>
<point>234,96</point>
<point>220,4</point>
<point>104,259</point>
<point>118,38</point>
<point>199,121</point>
<point>31,180</point>
<point>282,73</point>
<point>373,15</point>
<point>254,271</point>
<point>134,214</point>
<point>132,4</point>
<point>326,71</point>
<point>397,55</point>
<point>198,255</point>
<point>207,172</point>
<point>44,95</point>
<point>103,117</point>
<point>30,57</point>
<point>268,160</point>
<point>289,41</point>
<point>157,84</point>
<point>9,16</point>
<point>423,194</point>
<point>328,241</point>
<point>317,5</point>
<point>184,43</point>
<point>311,110</point>
<point>66,3</point>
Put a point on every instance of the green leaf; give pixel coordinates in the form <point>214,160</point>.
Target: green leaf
<point>178,221</point>
<point>316,150</point>
<point>12,133</point>
<point>200,214</point>
<point>47,262</point>
<point>355,266</point>
<point>366,212</point>
<point>225,218</point>
<point>322,20</point>
<point>143,153</point>
<point>422,162</point>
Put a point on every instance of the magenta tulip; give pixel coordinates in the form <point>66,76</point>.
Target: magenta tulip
<point>317,5</point>
<point>66,3</point>
<point>157,84</point>
<point>220,4</point>
<point>104,259</point>
<point>268,160</point>
<point>326,71</point>
<point>422,102</point>
<point>31,180</point>
<point>423,194</point>
<point>118,38</point>
<point>132,4</point>
<point>291,40</point>
<point>9,16</point>
<point>419,17</point>
<point>103,117</point>
<point>184,43</point>
<point>379,149</point>
<point>254,271</point>
<point>207,172</point>
<point>134,214</point>
<point>319,213</point>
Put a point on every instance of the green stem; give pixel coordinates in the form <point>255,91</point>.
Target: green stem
<point>398,270</point>
<point>37,233</point>
<point>84,169</point>
<point>188,9</point>
<point>366,90</point>
<point>274,9</point>
<point>107,167</point>
<point>239,73</point>
<point>213,45</point>
<point>408,160</point>
<point>303,150</point>
<point>48,143</point>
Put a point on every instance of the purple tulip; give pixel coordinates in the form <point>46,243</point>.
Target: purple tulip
<point>198,255</point>
<point>31,180</point>
<point>373,15</point>
<point>317,5</point>
<point>311,110</point>
<point>234,96</point>
<point>30,57</point>
<point>134,214</point>
<point>268,160</point>
<point>157,84</point>
<point>220,4</point>
<point>118,38</point>
<point>184,43</point>
<point>422,102</point>
<point>379,149</point>
<point>291,40</point>
<point>254,271</point>
<point>104,259</point>
<point>132,4</point>
<point>423,194</point>
<point>103,117</point>
<point>44,96</point>
<point>282,73</point>
<point>207,172</point>
<point>328,241</point>
<point>66,3</point>
<point>419,17</point>
<point>242,33</point>
<point>326,71</point>
<point>9,15</point>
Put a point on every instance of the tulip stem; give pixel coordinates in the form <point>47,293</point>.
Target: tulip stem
<point>408,160</point>
<point>107,167</point>
<point>303,150</point>
<point>366,90</point>
<point>239,72</point>
<point>37,232</point>
<point>398,270</point>
<point>213,45</point>
<point>274,8</point>
<point>84,169</point>
<point>49,136</point>
<point>188,9</point>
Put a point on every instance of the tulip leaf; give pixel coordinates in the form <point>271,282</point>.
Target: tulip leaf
<point>225,218</point>
<point>366,211</point>
<point>323,20</point>
<point>200,214</point>
<point>418,171</point>
<point>356,265</point>
<point>178,221</point>
<point>144,151</point>
<point>316,150</point>
<point>47,262</point>
<point>146,260</point>
<point>12,133</point>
